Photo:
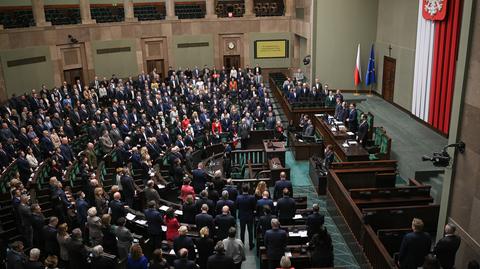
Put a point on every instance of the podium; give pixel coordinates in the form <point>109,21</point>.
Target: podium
<point>275,149</point>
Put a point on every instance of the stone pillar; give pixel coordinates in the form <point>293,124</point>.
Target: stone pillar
<point>210,9</point>
<point>170,8</point>
<point>290,8</point>
<point>249,9</point>
<point>38,11</point>
<point>85,12</point>
<point>128,9</point>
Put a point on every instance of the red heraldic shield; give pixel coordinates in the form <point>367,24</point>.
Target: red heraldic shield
<point>435,10</point>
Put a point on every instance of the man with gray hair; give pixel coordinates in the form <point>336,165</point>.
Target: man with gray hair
<point>33,260</point>
<point>275,241</point>
<point>224,221</point>
<point>225,201</point>
<point>77,251</point>
<point>447,247</point>
<point>101,261</point>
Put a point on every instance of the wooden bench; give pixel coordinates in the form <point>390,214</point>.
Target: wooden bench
<point>386,197</point>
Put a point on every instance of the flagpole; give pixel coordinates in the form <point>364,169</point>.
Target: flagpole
<point>370,91</point>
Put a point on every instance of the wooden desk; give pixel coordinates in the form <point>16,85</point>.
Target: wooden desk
<point>276,168</point>
<point>278,150</point>
<point>304,150</point>
<point>337,139</point>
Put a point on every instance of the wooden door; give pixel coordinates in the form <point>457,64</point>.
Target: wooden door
<point>159,65</point>
<point>72,75</point>
<point>388,81</point>
<point>231,61</point>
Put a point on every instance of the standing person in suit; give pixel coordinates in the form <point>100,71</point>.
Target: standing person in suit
<point>100,261</point>
<point>446,248</point>
<point>315,221</point>
<point>204,219</point>
<point>244,133</point>
<point>128,186</point>
<point>151,194</point>
<point>225,201</point>
<point>352,118</point>
<point>246,206</point>
<point>49,235</point>
<point>321,249</point>
<point>205,247</point>
<point>38,220</point>
<point>219,259</point>
<point>199,178</point>
<point>265,222</point>
<point>25,214</point>
<point>282,184</point>
<point>234,248</point>
<point>275,241</point>
<point>155,222</point>
<point>183,262</point>
<point>415,246</point>
<point>286,208</point>
<point>77,251</point>
<point>182,241</point>
<point>124,239</point>
<point>117,208</point>
<point>224,221</point>
<point>329,156</point>
<point>94,227</point>
<point>362,135</point>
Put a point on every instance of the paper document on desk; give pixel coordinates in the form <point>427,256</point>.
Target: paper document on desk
<point>141,222</point>
<point>318,115</point>
<point>160,186</point>
<point>297,216</point>
<point>303,234</point>
<point>178,212</point>
<point>333,129</point>
<point>164,228</point>
<point>274,203</point>
<point>164,208</point>
<point>352,142</point>
<point>130,216</point>
<point>172,252</point>
<point>345,145</point>
<point>350,133</point>
<point>288,254</point>
<point>293,234</point>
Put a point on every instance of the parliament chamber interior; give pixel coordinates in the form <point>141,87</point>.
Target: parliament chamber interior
<point>209,134</point>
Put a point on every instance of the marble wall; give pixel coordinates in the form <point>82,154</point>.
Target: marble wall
<point>464,206</point>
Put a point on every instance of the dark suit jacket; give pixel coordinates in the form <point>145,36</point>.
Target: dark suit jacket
<point>224,222</point>
<point>279,186</point>
<point>246,206</point>
<point>77,254</point>
<point>184,264</point>
<point>275,241</point>
<point>265,223</point>
<point>415,246</point>
<point>446,249</point>
<point>154,221</point>
<point>285,208</point>
<point>117,210</point>
<point>103,262</point>
<point>204,219</point>
<point>314,223</point>
<point>50,240</point>
<point>363,132</point>
<point>185,242</point>
<point>219,261</point>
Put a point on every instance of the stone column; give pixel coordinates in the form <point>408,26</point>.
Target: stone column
<point>38,11</point>
<point>85,12</point>
<point>249,9</point>
<point>128,9</point>
<point>210,9</point>
<point>170,8</point>
<point>290,8</point>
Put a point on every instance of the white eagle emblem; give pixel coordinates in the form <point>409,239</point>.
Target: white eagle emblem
<point>432,7</point>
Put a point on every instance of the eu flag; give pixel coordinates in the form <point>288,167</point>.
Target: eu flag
<point>370,77</point>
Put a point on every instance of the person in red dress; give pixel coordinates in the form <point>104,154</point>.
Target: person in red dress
<point>172,224</point>
<point>186,190</point>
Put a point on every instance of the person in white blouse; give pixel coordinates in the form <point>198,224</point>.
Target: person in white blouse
<point>31,159</point>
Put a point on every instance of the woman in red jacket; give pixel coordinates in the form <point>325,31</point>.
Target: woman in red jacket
<point>172,224</point>
<point>216,127</point>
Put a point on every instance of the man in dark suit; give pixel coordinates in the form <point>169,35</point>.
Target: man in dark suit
<point>232,192</point>
<point>128,187</point>
<point>362,135</point>
<point>286,208</point>
<point>224,221</point>
<point>244,133</point>
<point>82,208</point>
<point>280,185</point>
<point>26,220</point>
<point>117,208</point>
<point>309,129</point>
<point>352,118</point>
<point>154,222</point>
<point>77,252</point>
<point>100,260</point>
<point>447,247</point>
<point>219,259</point>
<point>275,241</point>
<point>225,201</point>
<point>199,178</point>
<point>38,220</point>
<point>265,222</point>
<point>182,241</point>
<point>182,262</point>
<point>204,219</point>
<point>265,201</point>
<point>50,237</point>
<point>246,206</point>
<point>415,246</point>
<point>315,221</point>
<point>204,200</point>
